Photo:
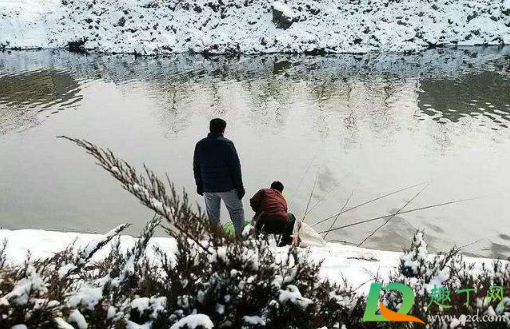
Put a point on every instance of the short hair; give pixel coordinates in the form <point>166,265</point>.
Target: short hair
<point>217,125</point>
<point>276,185</point>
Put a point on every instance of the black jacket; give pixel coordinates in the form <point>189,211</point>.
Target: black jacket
<point>216,165</point>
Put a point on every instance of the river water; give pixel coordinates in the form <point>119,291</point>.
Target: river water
<point>354,126</point>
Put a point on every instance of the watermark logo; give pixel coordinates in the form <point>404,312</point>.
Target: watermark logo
<point>387,314</point>
<point>439,296</point>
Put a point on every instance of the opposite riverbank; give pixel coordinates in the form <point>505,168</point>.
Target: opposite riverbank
<point>152,27</point>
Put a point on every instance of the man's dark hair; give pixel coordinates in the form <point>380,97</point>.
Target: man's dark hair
<point>276,185</point>
<point>217,125</point>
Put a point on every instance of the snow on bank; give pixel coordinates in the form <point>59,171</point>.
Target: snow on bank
<point>357,265</point>
<point>204,26</point>
<point>339,260</point>
<point>42,244</point>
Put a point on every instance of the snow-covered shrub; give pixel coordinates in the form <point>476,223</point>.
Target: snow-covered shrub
<point>424,272</point>
<point>24,297</point>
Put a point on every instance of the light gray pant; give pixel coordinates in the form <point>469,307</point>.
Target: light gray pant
<point>233,204</point>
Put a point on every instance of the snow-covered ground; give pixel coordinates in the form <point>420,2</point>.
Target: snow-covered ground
<point>233,26</point>
<point>358,266</point>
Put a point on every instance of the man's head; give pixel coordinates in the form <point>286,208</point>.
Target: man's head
<point>276,185</point>
<point>217,126</point>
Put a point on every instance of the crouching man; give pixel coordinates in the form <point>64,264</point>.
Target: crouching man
<point>271,214</point>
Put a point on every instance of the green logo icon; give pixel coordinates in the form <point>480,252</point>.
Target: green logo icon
<point>387,314</point>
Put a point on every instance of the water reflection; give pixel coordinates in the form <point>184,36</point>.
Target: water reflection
<point>357,124</point>
<point>25,94</point>
<point>470,95</point>
<point>476,79</point>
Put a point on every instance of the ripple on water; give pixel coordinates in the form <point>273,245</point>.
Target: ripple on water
<point>453,97</point>
<point>26,94</point>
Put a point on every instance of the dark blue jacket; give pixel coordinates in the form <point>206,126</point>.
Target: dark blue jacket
<point>216,165</point>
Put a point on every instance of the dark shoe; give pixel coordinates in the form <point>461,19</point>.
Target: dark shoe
<point>285,241</point>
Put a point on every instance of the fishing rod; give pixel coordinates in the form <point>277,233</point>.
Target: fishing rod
<point>393,215</point>
<point>402,213</point>
<point>327,194</point>
<point>310,198</point>
<point>343,241</point>
<point>336,218</point>
<point>474,242</point>
<point>367,202</point>
<point>306,171</point>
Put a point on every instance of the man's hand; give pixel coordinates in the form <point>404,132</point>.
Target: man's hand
<point>200,190</point>
<point>240,192</point>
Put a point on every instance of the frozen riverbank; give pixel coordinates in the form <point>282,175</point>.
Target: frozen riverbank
<point>166,283</point>
<point>358,266</point>
<point>210,27</point>
<point>339,260</point>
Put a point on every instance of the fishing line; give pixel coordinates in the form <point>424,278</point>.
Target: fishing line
<point>306,171</point>
<point>327,193</point>
<point>367,202</point>
<point>404,212</point>
<point>334,222</point>
<point>395,214</point>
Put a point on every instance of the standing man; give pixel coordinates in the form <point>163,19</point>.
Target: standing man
<point>271,214</point>
<point>217,171</point>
